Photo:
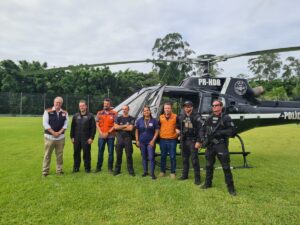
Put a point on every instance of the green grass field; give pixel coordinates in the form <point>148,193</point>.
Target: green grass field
<point>269,193</point>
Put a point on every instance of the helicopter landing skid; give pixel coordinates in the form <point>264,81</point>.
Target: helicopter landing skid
<point>243,153</point>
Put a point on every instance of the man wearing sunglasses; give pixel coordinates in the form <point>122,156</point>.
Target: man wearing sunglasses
<point>217,129</point>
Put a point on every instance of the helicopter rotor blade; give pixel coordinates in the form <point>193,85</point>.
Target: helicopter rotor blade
<point>112,63</point>
<point>210,59</point>
<point>268,51</point>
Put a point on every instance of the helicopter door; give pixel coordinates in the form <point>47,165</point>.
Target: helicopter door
<point>205,107</point>
<point>155,100</point>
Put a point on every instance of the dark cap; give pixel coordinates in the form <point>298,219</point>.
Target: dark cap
<point>188,103</point>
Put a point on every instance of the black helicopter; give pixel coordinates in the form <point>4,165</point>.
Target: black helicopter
<point>240,101</point>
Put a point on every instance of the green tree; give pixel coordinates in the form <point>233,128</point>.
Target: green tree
<point>265,67</point>
<point>277,93</point>
<point>172,47</point>
<point>292,68</point>
<point>10,76</point>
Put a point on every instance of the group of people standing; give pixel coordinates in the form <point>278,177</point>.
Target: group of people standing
<point>188,127</point>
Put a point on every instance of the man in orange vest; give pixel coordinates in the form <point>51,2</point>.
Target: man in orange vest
<point>105,126</point>
<point>168,139</point>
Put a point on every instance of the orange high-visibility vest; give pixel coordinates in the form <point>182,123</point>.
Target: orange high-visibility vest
<point>167,126</point>
<point>106,120</point>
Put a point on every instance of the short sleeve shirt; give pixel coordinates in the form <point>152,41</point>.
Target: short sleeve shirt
<point>121,120</point>
<point>146,129</point>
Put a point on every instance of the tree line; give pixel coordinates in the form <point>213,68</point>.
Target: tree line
<point>279,78</point>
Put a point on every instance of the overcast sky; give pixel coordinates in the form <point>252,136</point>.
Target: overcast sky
<point>71,32</point>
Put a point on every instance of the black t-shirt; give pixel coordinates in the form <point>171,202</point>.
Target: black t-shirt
<point>121,120</point>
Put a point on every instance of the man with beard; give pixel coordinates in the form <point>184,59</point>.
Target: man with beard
<point>105,125</point>
<point>189,124</point>
<point>83,129</point>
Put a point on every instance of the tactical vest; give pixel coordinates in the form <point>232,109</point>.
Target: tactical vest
<point>189,126</point>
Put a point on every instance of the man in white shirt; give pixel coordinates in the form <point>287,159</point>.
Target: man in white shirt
<point>55,122</point>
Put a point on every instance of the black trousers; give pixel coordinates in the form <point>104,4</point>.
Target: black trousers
<point>124,142</point>
<point>78,145</point>
<point>189,151</point>
<point>221,151</point>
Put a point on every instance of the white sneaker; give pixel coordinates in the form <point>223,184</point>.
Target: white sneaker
<point>162,174</point>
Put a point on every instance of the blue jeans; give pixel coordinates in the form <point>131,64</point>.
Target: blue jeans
<point>168,146</point>
<point>147,152</point>
<point>101,147</point>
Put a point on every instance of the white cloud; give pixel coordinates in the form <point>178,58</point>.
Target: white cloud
<point>73,32</point>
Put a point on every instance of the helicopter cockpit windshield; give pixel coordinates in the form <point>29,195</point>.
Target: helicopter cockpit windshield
<point>147,96</point>
<point>154,97</point>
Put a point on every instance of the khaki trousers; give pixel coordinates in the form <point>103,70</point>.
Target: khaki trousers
<point>50,145</point>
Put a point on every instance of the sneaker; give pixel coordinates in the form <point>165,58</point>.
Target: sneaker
<point>97,170</point>
<point>116,173</point>
<point>197,181</point>
<point>60,173</point>
<point>183,178</point>
<point>145,174</point>
<point>162,174</point>
<point>132,174</point>
<point>173,176</point>
<point>153,177</point>
<point>87,170</point>
<point>75,170</point>
<point>206,186</point>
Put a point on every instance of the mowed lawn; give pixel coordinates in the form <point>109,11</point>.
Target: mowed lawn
<point>269,193</point>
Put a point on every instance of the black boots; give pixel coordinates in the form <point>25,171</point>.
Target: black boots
<point>231,189</point>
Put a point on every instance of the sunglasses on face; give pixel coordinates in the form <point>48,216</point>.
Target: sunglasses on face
<point>215,105</point>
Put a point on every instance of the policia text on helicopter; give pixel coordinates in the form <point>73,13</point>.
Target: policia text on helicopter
<point>193,132</point>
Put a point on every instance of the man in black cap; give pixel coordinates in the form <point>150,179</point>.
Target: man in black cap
<point>189,125</point>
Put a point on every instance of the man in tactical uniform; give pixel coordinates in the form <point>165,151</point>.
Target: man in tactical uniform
<point>216,130</point>
<point>55,122</point>
<point>124,126</point>
<point>189,125</point>
<point>83,129</point>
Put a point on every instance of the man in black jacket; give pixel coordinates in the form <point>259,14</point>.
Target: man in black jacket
<point>83,129</point>
<point>189,125</point>
<point>216,130</point>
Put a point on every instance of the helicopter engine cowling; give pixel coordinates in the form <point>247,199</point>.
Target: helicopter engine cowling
<point>257,91</point>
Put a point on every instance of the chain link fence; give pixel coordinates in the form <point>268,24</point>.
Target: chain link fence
<point>23,104</point>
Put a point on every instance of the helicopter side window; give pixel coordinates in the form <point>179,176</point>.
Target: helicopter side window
<point>206,105</point>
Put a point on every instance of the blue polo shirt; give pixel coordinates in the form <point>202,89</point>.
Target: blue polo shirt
<point>146,129</point>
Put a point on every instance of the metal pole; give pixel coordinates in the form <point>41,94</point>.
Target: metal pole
<point>21,104</point>
<point>44,101</point>
<point>66,102</point>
